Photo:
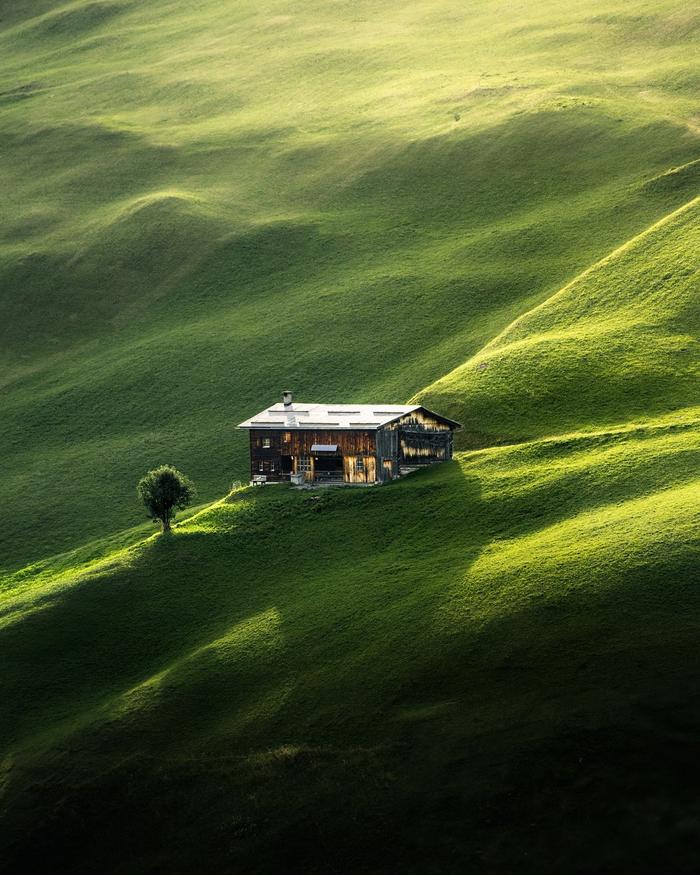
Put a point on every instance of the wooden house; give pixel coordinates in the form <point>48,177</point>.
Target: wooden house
<point>344,443</point>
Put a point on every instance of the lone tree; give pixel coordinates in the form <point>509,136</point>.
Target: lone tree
<point>163,491</point>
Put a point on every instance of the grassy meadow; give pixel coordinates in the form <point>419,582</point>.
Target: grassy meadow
<point>204,205</point>
<point>491,209</point>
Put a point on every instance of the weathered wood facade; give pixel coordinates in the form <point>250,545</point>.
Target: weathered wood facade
<point>278,454</point>
<point>423,438</point>
<point>325,445</point>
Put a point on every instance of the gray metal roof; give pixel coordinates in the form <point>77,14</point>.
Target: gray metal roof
<point>328,416</point>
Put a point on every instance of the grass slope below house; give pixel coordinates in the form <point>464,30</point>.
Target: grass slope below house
<point>393,660</point>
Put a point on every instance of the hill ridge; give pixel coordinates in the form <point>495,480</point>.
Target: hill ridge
<point>618,342</point>
<point>600,263</point>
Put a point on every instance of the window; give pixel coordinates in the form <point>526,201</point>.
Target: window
<point>304,464</point>
<point>360,464</point>
<point>286,437</point>
<point>266,442</point>
<point>261,466</point>
<point>272,467</point>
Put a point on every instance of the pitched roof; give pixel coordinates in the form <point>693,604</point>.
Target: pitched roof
<point>330,416</point>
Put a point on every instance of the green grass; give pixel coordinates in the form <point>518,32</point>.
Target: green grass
<point>489,665</point>
<point>208,205</point>
<point>619,343</point>
<point>515,600</point>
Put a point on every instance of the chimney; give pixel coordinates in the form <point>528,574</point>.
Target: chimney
<point>287,398</point>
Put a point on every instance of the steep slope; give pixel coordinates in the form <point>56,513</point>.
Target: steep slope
<point>619,343</point>
<point>205,205</point>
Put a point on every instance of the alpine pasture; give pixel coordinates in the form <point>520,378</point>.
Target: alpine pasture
<point>491,209</point>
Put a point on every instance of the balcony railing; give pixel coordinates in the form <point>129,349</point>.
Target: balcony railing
<point>328,476</point>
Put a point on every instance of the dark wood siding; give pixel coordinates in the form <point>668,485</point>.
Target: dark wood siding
<point>297,443</point>
<point>420,420</point>
<point>387,454</point>
<point>423,439</point>
<point>424,447</point>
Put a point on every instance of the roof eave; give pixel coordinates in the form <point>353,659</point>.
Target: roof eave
<point>305,427</point>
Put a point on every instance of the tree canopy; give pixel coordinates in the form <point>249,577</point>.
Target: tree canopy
<point>163,491</point>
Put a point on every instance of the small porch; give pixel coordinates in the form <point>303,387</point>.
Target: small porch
<point>325,464</point>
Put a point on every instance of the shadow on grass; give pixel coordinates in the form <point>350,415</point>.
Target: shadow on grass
<point>175,626</point>
<point>268,689</point>
<point>560,762</point>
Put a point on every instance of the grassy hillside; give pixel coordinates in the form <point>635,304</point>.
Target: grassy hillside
<point>621,342</point>
<point>489,665</point>
<point>205,205</point>
<point>473,652</point>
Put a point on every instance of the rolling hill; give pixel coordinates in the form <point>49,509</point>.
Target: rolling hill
<point>205,206</point>
<point>492,210</point>
<point>617,344</point>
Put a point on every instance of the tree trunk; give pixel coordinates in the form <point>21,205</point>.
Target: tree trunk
<point>166,524</point>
